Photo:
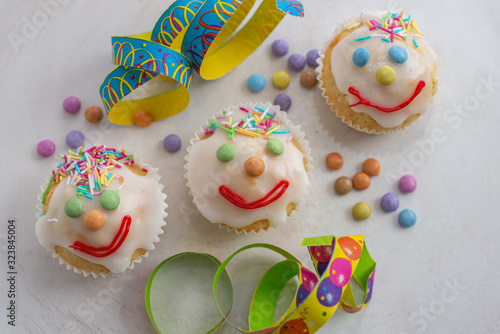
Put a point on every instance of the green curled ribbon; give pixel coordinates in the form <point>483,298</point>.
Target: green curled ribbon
<point>318,295</point>
<point>190,34</point>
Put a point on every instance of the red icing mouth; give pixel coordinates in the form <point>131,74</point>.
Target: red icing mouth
<point>240,202</point>
<point>364,101</point>
<point>112,247</point>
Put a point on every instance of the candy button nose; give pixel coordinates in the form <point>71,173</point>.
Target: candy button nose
<point>385,75</point>
<point>254,166</point>
<point>93,220</point>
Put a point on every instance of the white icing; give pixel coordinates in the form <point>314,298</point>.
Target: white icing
<point>418,66</point>
<point>141,198</point>
<point>206,174</point>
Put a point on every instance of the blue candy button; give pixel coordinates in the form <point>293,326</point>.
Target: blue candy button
<point>398,54</point>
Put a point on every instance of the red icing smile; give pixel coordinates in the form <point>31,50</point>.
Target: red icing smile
<point>240,202</point>
<point>112,247</point>
<point>364,101</point>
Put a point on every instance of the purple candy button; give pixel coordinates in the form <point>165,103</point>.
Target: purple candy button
<point>283,101</point>
<point>311,57</point>
<point>172,143</point>
<point>280,47</point>
<point>389,202</point>
<point>297,62</point>
<point>75,139</point>
<point>407,183</point>
<point>72,104</point>
<point>46,148</point>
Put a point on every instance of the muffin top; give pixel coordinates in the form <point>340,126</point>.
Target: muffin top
<point>248,164</point>
<point>385,67</point>
<point>102,206</point>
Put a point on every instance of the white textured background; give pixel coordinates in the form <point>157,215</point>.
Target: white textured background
<point>454,243</point>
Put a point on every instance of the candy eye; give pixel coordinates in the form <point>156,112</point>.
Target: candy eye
<point>73,208</point>
<point>398,54</point>
<point>109,199</point>
<point>360,57</point>
<point>226,152</point>
<point>275,146</point>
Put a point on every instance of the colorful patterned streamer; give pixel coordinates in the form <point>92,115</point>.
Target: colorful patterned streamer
<point>189,34</point>
<point>317,297</point>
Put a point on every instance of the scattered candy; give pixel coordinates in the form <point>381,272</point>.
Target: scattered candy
<point>254,166</point>
<point>360,57</point>
<point>72,104</point>
<point>343,185</point>
<point>275,146</point>
<point>46,148</point>
<point>226,152</point>
<point>389,202</point>
<point>75,139</point>
<point>361,181</point>
<point>334,161</point>
<point>280,47</point>
<point>281,79</point>
<point>371,167</point>
<point>93,114</point>
<point>308,79</point>
<point>283,101</point>
<point>311,57</point>
<point>94,220</point>
<point>297,62</point>
<point>172,143</point>
<point>143,118</point>
<point>407,218</point>
<point>256,82</point>
<point>385,75</point>
<point>361,211</point>
<point>407,183</point>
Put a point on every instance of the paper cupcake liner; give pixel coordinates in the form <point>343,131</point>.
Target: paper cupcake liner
<point>294,132</point>
<point>149,248</point>
<point>319,71</point>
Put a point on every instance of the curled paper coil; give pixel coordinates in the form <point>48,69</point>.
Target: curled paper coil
<point>190,34</point>
<point>317,297</point>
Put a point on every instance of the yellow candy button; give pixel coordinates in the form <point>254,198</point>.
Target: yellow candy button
<point>386,75</point>
<point>281,79</point>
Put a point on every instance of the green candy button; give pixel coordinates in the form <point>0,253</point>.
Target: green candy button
<point>73,208</point>
<point>109,199</point>
<point>275,146</point>
<point>226,152</point>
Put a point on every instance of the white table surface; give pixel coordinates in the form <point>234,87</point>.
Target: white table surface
<point>454,243</point>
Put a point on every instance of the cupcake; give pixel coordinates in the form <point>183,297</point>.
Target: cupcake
<point>378,74</point>
<point>248,168</point>
<point>101,211</point>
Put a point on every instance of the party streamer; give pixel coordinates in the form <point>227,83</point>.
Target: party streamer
<point>190,35</point>
<point>317,297</point>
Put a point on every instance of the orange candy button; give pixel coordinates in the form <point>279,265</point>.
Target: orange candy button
<point>93,114</point>
<point>334,161</point>
<point>371,167</point>
<point>143,118</point>
<point>255,166</point>
<point>93,220</point>
<point>361,181</point>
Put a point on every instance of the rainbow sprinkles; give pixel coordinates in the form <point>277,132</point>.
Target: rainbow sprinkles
<point>259,122</point>
<point>391,26</point>
<point>91,171</point>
